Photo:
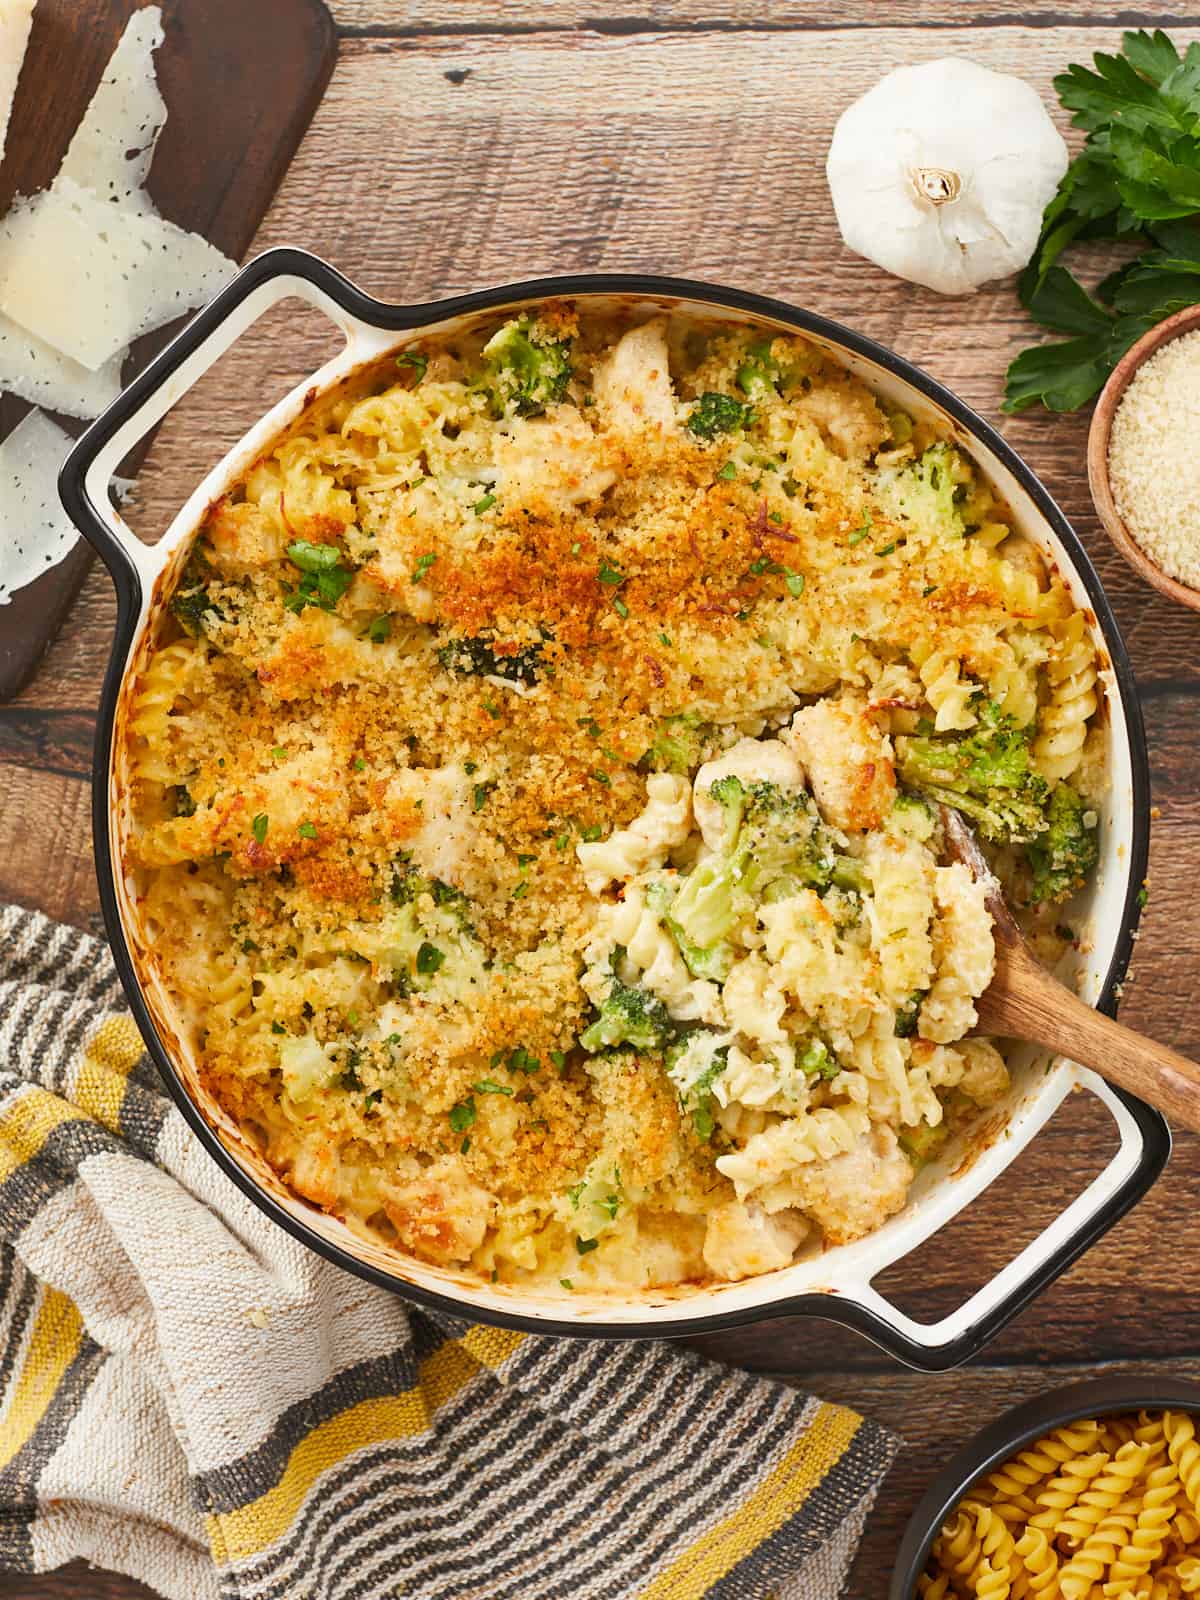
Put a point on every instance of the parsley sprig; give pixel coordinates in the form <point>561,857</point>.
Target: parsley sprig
<point>1136,180</point>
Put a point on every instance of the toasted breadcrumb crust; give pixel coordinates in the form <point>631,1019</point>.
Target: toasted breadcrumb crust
<point>426,649</point>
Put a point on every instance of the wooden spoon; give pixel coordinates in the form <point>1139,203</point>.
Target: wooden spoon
<point>1024,1001</point>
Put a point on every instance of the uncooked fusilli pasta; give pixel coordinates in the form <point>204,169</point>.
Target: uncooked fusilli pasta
<point>1097,1510</point>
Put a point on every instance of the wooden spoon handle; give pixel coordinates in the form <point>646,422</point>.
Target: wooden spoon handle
<point>1161,1077</point>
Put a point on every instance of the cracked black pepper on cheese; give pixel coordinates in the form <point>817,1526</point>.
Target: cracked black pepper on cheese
<point>535,782</point>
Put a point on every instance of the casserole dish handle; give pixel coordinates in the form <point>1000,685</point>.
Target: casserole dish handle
<point>938,1346</point>
<point>275,275</point>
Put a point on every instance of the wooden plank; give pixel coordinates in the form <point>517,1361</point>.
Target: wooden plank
<point>392,18</point>
<point>214,174</point>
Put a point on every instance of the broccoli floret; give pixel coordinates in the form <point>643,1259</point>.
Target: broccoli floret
<point>908,1014</point>
<point>526,372</point>
<point>715,414</point>
<point>987,775</point>
<point>190,607</point>
<point>482,657</point>
<point>629,1014</point>
<point>1066,852</point>
<point>772,834</point>
<point>929,492</point>
<point>713,962</point>
<point>679,744</point>
<point>922,1143</point>
<point>408,885</point>
<point>759,374</point>
<point>701,1049</point>
<point>816,1060</point>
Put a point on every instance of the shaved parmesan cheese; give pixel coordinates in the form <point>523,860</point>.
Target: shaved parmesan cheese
<point>89,277</point>
<point>16,19</point>
<point>31,368</point>
<point>35,531</point>
<point>114,144</point>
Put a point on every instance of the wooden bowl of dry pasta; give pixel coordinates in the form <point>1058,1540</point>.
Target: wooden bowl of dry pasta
<point>1090,1490</point>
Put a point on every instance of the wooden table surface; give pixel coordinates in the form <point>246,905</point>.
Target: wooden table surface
<point>467,142</point>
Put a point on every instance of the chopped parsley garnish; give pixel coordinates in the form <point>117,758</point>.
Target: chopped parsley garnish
<point>429,958</point>
<point>413,359</point>
<point>620,607</point>
<point>462,1115</point>
<point>794,582</point>
<point>259,826</point>
<point>601,777</point>
<point>379,629</point>
<point>423,565</point>
<point>484,504</point>
<point>559,1059</point>
<point>728,472</point>
<point>325,580</point>
<point>464,1147</point>
<point>486,1086</point>
<point>591,833</point>
<point>666,639</point>
<point>492,709</point>
<point>373,1099</point>
<point>584,1245</point>
<point>566,1283</point>
<point>859,535</point>
<point>522,1060</point>
<point>521,890</point>
<point>610,575</point>
<point>887,549</point>
<point>359,764</point>
<point>307,830</point>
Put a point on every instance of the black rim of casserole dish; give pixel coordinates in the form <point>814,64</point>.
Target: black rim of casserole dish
<point>1012,1431</point>
<point>295,263</point>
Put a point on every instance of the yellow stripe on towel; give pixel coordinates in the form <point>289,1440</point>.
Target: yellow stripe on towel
<point>237,1535</point>
<point>103,1076</point>
<point>53,1345</point>
<point>779,1496</point>
<point>27,1122</point>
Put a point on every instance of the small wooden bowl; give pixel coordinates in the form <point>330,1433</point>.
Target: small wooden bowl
<point>1102,420</point>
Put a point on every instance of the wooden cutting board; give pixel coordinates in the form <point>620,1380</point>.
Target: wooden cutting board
<point>241,79</point>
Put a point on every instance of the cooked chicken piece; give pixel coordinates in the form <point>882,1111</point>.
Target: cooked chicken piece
<point>849,763</point>
<point>633,383</point>
<point>742,1240</point>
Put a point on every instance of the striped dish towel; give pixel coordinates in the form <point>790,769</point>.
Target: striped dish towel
<point>189,1396</point>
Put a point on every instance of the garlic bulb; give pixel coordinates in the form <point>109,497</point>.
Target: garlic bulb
<point>941,172</point>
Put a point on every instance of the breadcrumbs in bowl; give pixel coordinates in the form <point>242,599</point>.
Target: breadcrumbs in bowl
<point>1152,456</point>
<point>1142,454</point>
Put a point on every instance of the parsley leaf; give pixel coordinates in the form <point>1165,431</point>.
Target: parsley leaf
<point>1137,179</point>
<point>462,1115</point>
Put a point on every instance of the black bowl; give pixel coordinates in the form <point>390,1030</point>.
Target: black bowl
<point>1024,1425</point>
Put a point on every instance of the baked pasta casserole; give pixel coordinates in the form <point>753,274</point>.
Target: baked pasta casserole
<point>535,784</point>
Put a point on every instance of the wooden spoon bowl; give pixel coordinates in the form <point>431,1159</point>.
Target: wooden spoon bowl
<point>1185,321</point>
